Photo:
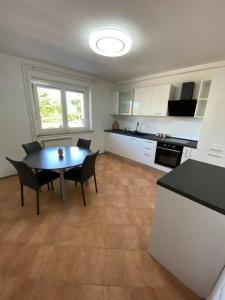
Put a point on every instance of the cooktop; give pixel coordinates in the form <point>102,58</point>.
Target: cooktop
<point>177,140</point>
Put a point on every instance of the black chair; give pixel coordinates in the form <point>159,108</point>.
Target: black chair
<point>34,181</point>
<point>82,143</point>
<point>32,147</point>
<point>84,172</point>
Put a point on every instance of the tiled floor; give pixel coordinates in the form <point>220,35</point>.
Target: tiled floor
<point>97,252</point>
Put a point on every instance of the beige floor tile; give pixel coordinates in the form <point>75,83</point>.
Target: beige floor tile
<point>94,266</point>
<point>53,290</point>
<point>31,261</point>
<point>95,235</point>
<point>129,237</point>
<point>126,268</point>
<point>71,235</point>
<point>62,264</point>
<point>131,293</point>
<point>90,292</point>
<point>16,288</point>
<point>8,255</point>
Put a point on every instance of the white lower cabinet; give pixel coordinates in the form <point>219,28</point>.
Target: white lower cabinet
<point>133,148</point>
<point>210,157</point>
<point>186,154</point>
<point>148,149</point>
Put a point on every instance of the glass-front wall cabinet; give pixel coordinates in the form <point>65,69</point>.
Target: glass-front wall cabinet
<point>125,102</point>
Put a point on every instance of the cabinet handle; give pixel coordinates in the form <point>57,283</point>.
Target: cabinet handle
<point>214,155</point>
<point>216,150</point>
<point>147,155</point>
<point>147,148</point>
<point>157,113</point>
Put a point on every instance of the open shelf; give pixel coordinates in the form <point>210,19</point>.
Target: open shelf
<point>204,89</point>
<point>202,98</point>
<point>200,108</point>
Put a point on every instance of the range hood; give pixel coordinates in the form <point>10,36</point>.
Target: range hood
<point>185,107</point>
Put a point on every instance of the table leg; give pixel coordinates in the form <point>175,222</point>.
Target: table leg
<point>62,184</point>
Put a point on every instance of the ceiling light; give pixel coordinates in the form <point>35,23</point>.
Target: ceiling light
<point>110,41</point>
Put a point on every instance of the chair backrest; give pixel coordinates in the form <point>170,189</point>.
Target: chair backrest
<point>26,175</point>
<point>32,147</point>
<point>88,166</point>
<point>82,143</point>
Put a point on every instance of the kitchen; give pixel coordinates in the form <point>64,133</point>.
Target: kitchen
<point>183,131</point>
<point>198,181</point>
<point>116,111</point>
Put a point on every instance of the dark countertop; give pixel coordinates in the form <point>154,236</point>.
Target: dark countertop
<point>198,181</point>
<point>153,137</point>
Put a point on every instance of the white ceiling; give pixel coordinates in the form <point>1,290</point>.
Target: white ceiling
<point>167,34</point>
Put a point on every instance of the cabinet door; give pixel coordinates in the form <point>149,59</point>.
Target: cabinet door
<point>107,141</point>
<point>160,97</point>
<point>133,148</point>
<point>114,103</point>
<point>186,154</point>
<point>142,101</point>
<point>212,137</point>
<point>125,102</point>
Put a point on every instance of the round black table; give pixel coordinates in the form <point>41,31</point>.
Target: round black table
<point>48,159</point>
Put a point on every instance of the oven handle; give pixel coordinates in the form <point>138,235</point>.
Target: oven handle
<point>177,151</point>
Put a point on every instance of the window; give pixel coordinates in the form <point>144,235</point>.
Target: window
<point>60,108</point>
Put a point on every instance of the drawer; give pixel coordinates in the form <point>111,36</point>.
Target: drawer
<point>208,157</point>
<point>146,145</point>
<point>148,149</point>
<point>148,159</point>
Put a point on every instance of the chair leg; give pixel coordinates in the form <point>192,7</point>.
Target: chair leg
<point>22,196</point>
<point>83,195</point>
<point>52,186</point>
<point>48,186</point>
<point>37,198</point>
<point>96,187</point>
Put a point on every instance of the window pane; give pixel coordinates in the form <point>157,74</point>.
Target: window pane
<point>75,109</point>
<point>49,100</point>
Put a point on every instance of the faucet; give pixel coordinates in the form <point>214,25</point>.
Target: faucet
<point>137,126</point>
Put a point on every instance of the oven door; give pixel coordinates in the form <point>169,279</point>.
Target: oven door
<point>168,157</point>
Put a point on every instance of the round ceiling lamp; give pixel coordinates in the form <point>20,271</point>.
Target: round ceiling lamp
<point>110,42</point>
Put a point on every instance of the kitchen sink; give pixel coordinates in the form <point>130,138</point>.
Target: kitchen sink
<point>138,133</point>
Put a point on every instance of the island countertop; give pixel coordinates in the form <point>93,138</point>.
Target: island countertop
<point>198,181</point>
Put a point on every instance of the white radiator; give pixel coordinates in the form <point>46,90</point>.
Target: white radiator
<point>56,142</point>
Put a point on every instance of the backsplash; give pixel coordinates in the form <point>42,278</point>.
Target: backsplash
<point>187,128</point>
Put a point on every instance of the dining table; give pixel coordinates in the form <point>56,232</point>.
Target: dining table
<point>49,159</point>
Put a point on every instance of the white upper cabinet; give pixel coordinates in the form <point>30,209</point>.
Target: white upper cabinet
<point>159,102</point>
<point>212,137</point>
<point>114,103</point>
<point>142,101</point>
<point>153,100</point>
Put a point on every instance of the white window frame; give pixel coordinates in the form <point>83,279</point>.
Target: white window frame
<point>63,88</point>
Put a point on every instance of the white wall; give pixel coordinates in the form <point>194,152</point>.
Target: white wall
<point>14,121</point>
<point>189,128</point>
<point>176,127</point>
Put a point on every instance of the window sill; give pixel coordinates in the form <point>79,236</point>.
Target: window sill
<point>63,133</point>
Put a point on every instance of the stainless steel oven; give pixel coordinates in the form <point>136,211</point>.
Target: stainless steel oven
<point>168,155</point>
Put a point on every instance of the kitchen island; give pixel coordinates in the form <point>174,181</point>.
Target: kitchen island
<point>188,230</point>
